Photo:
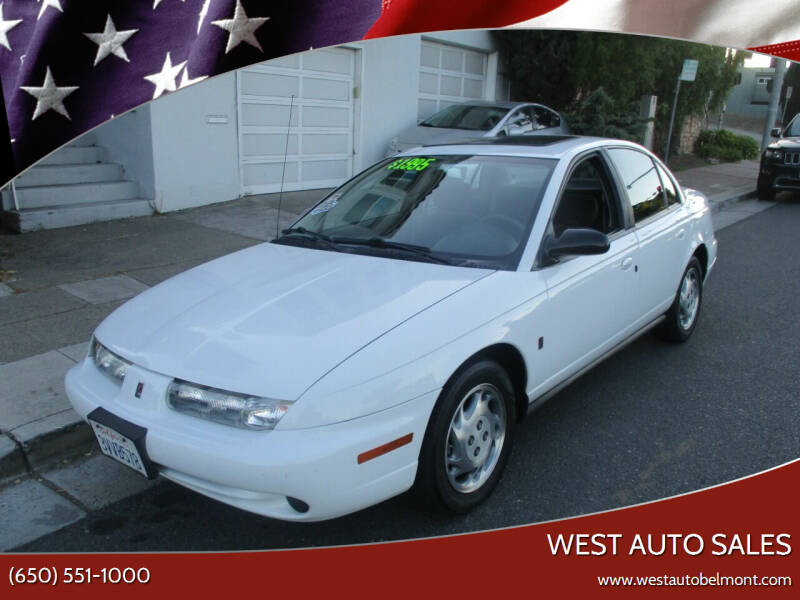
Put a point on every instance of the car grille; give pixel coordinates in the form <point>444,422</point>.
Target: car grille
<point>791,158</point>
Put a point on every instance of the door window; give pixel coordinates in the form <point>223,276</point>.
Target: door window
<point>641,182</point>
<point>588,200</point>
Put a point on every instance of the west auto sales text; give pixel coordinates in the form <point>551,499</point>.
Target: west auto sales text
<point>670,544</point>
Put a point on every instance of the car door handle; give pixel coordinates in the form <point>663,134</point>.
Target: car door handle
<point>681,234</point>
<point>626,263</point>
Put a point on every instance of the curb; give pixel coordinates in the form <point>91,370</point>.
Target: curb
<point>12,460</point>
<point>722,201</point>
<point>68,441</point>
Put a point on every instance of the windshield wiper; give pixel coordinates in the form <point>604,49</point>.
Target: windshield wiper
<point>422,252</point>
<point>308,234</point>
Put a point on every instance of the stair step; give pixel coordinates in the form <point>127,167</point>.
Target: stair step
<point>63,195</point>
<point>87,139</point>
<point>32,219</point>
<point>74,155</point>
<point>69,174</point>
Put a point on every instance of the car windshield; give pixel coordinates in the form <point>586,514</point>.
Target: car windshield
<point>466,116</point>
<point>793,129</point>
<point>464,210</point>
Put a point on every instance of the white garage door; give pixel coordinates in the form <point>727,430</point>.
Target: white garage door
<point>320,138</point>
<point>448,75</point>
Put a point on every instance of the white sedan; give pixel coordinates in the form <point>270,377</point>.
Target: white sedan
<point>394,336</point>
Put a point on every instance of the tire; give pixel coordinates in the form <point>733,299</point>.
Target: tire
<point>479,403</point>
<point>764,189</point>
<point>681,318</point>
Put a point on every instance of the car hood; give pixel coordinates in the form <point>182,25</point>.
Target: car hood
<point>418,135</point>
<point>787,142</point>
<point>272,319</point>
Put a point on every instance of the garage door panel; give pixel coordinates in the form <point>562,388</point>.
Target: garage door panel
<point>268,115</point>
<point>329,62</point>
<point>326,143</point>
<point>425,108</point>
<point>326,116</point>
<point>326,89</point>
<point>260,174</point>
<point>428,83</point>
<point>325,169</point>
<point>452,60</point>
<point>451,86</point>
<point>429,56</point>
<point>473,88</point>
<point>474,63</point>
<point>266,84</point>
<point>266,144</point>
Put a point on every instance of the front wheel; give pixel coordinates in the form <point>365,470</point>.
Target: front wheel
<point>468,439</point>
<point>764,189</point>
<point>681,318</point>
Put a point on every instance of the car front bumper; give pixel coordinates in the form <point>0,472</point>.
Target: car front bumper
<point>781,175</point>
<point>258,471</point>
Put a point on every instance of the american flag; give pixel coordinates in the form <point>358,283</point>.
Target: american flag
<point>69,65</point>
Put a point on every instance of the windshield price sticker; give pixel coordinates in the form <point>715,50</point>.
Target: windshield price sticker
<point>410,164</point>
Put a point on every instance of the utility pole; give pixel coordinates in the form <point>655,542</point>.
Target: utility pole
<point>772,109</point>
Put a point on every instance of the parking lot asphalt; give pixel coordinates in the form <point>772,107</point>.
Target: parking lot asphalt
<point>652,421</point>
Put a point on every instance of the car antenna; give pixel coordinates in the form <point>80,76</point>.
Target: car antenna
<point>283,172</point>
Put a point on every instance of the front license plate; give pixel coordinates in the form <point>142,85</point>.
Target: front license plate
<point>110,434</point>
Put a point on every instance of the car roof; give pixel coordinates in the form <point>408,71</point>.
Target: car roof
<point>542,146</point>
<point>500,104</point>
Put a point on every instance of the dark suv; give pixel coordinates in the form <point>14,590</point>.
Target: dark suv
<point>780,162</point>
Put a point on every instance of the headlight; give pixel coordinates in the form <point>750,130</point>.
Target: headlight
<point>228,408</point>
<point>776,154</point>
<point>109,363</point>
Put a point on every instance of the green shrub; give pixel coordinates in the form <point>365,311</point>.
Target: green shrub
<point>726,146</point>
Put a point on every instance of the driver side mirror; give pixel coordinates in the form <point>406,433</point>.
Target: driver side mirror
<point>576,242</point>
<point>776,133</point>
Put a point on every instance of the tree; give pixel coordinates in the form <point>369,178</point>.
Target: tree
<point>562,68</point>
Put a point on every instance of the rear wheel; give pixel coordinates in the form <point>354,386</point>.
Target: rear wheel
<point>681,318</point>
<point>468,439</point>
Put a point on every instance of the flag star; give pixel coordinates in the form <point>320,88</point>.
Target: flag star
<point>203,13</point>
<point>185,81</point>
<point>240,28</point>
<point>49,96</point>
<point>110,41</point>
<point>157,2</point>
<point>5,27</point>
<point>165,79</point>
<point>54,3</point>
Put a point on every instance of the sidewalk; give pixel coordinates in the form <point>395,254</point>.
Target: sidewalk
<point>56,286</point>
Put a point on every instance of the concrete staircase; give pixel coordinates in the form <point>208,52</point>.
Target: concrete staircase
<point>73,186</point>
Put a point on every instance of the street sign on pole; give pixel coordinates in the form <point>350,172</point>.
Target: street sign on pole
<point>689,71</point>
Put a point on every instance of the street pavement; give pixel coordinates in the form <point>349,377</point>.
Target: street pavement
<point>66,281</point>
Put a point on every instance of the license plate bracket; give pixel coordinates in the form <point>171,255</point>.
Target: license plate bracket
<point>122,440</point>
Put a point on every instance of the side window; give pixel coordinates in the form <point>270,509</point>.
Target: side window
<point>588,200</point>
<point>546,117</point>
<point>669,186</point>
<point>641,181</point>
<point>521,118</point>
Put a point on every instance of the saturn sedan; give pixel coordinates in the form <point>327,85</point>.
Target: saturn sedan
<point>396,334</point>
